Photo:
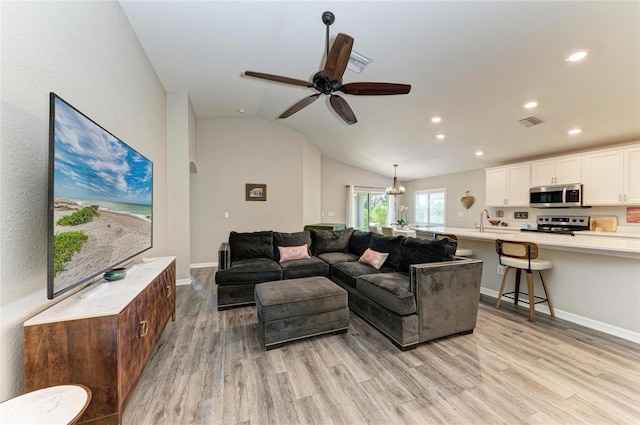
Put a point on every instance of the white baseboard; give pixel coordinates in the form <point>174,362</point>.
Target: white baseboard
<point>580,320</point>
<point>203,265</point>
<point>183,282</point>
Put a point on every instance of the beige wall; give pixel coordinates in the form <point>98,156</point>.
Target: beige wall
<point>87,53</point>
<point>235,151</point>
<point>456,185</point>
<point>180,133</point>
<point>336,176</point>
<point>312,183</point>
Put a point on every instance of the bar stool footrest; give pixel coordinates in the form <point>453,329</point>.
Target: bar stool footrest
<point>525,301</point>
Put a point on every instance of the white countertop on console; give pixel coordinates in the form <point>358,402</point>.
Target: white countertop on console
<point>104,298</point>
<point>582,241</point>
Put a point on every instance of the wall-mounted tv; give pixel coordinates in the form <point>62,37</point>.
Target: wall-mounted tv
<point>100,199</point>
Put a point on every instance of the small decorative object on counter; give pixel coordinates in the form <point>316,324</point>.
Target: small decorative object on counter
<point>467,201</point>
<point>115,274</point>
<point>401,222</point>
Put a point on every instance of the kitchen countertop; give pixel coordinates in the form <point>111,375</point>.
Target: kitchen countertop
<point>586,241</point>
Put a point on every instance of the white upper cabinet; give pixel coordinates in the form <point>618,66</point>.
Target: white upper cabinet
<point>561,170</point>
<point>507,186</point>
<point>631,181</point>
<point>612,177</point>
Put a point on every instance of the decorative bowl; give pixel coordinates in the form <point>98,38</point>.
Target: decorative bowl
<point>494,222</point>
<point>115,274</point>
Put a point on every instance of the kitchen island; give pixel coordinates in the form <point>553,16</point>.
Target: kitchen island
<point>595,279</point>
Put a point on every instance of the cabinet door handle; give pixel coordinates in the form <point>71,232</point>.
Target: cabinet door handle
<point>619,197</point>
<point>168,291</point>
<point>144,329</point>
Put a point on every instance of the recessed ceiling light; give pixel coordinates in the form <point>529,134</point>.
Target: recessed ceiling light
<point>241,110</point>
<point>436,119</point>
<point>479,153</point>
<point>574,131</point>
<point>440,136</point>
<point>577,56</point>
<point>530,105</point>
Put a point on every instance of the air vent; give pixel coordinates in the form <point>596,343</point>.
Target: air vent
<point>530,121</point>
<point>357,62</point>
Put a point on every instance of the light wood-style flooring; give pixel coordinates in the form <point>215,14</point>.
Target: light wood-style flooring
<point>210,368</point>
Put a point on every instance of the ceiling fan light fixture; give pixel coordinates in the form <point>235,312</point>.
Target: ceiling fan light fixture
<point>395,190</point>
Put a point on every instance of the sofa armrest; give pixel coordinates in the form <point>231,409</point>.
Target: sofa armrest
<point>224,256</point>
<point>447,297</point>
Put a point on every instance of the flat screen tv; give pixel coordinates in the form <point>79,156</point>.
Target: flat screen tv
<point>100,199</point>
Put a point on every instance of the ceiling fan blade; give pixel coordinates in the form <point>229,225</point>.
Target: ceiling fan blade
<point>375,89</point>
<point>338,57</point>
<point>303,103</point>
<point>343,109</point>
<point>278,78</point>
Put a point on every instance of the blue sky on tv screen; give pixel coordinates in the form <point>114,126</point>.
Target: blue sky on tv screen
<point>91,164</point>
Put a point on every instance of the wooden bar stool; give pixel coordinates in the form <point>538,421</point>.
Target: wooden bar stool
<point>523,256</point>
<point>460,252</point>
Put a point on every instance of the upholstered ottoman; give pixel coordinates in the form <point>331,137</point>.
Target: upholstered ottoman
<point>299,308</point>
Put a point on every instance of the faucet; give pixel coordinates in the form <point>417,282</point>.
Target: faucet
<point>484,210</point>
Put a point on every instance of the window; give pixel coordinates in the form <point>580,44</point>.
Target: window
<point>370,207</point>
<point>430,206</point>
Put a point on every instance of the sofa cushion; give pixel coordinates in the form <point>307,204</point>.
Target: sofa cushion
<point>288,253</point>
<point>304,268</point>
<point>337,257</point>
<point>418,251</point>
<point>349,272</point>
<point>391,290</point>
<point>255,270</point>
<point>391,245</point>
<point>330,240</point>
<point>250,245</point>
<point>374,258</point>
<point>289,239</point>
<point>359,242</point>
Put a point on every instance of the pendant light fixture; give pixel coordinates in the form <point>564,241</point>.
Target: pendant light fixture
<point>395,189</point>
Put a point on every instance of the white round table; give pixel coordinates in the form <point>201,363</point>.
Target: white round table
<point>62,404</point>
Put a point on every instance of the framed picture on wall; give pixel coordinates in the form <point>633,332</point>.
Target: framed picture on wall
<point>255,192</point>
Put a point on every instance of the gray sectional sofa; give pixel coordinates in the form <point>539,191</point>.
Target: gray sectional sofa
<point>422,291</point>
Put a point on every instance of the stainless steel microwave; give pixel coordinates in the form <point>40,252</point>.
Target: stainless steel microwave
<point>559,196</point>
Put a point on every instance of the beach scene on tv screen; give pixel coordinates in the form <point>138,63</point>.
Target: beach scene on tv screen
<point>102,199</point>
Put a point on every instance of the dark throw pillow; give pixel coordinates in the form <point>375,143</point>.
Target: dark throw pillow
<point>418,251</point>
<point>359,242</point>
<point>330,240</point>
<point>248,245</point>
<point>390,244</point>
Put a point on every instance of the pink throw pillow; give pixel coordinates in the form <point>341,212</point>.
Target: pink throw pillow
<point>288,253</point>
<point>374,258</point>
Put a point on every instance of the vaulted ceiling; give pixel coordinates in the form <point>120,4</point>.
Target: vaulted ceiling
<point>474,64</point>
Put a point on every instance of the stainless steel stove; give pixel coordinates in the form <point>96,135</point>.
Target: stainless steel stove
<point>560,224</point>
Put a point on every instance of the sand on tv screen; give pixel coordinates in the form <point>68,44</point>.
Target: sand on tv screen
<point>100,195</point>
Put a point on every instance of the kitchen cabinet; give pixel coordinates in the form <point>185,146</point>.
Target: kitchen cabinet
<point>561,170</point>
<point>102,339</point>
<point>507,186</point>
<point>612,177</point>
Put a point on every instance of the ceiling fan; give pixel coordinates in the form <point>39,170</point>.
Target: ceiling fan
<point>329,80</point>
